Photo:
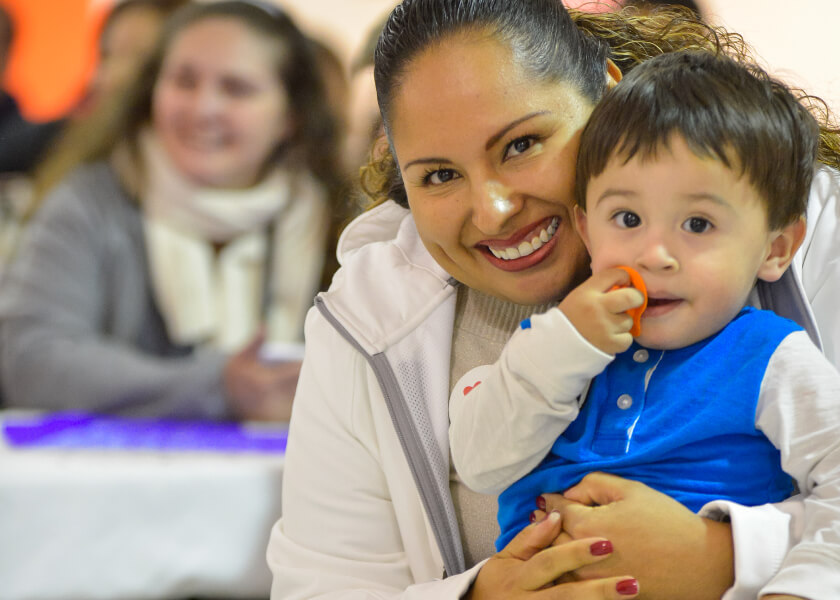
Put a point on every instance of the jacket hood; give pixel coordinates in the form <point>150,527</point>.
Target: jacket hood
<point>388,282</point>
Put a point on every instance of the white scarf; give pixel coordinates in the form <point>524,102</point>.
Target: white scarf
<point>205,296</point>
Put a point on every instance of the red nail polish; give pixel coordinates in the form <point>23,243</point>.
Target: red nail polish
<point>601,548</point>
<point>540,502</point>
<point>628,587</point>
<point>533,517</point>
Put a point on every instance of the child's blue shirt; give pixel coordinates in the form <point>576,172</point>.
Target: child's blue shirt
<point>682,421</point>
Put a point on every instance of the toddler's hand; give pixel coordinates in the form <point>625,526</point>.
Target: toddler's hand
<point>598,312</point>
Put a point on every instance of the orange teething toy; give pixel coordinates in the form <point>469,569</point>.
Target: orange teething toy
<point>637,282</point>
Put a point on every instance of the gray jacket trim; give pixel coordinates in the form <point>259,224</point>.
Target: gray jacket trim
<point>446,533</point>
<point>785,298</point>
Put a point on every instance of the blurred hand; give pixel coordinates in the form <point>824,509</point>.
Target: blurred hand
<point>257,390</point>
<point>529,567</point>
<point>671,551</point>
<point>599,313</point>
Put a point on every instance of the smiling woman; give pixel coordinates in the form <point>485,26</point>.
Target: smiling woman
<point>471,232</point>
<point>194,231</point>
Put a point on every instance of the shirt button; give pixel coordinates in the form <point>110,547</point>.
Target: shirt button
<point>641,356</point>
<point>625,401</point>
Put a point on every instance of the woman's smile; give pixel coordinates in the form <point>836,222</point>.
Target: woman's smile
<point>524,249</point>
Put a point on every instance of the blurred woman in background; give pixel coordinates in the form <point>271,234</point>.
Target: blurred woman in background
<point>194,230</point>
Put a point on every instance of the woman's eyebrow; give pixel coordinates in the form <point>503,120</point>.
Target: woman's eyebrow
<point>491,141</point>
<point>420,161</point>
<point>497,136</point>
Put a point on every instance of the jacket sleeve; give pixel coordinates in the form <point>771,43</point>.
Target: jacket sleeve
<point>761,536</point>
<point>353,525</point>
<point>502,427</point>
<point>818,259</point>
<point>798,412</point>
<point>54,352</point>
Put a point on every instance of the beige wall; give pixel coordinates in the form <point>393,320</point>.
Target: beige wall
<point>798,43</point>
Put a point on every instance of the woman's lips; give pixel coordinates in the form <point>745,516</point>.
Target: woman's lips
<point>524,249</point>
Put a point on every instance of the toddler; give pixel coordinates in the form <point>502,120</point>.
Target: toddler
<point>694,171</point>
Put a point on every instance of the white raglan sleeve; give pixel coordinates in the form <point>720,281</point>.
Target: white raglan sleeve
<point>505,417</point>
<point>798,411</point>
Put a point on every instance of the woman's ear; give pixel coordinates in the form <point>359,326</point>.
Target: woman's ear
<point>613,74</point>
<point>580,225</point>
<point>783,245</point>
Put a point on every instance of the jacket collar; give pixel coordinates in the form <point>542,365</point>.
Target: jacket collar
<point>388,282</point>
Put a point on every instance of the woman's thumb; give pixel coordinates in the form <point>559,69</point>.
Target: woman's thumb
<point>534,538</point>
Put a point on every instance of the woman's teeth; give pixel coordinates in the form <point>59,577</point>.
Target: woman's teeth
<point>525,247</point>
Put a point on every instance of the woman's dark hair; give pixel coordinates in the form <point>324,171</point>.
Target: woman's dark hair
<point>724,110</point>
<point>554,44</point>
<point>540,33</point>
<point>314,141</point>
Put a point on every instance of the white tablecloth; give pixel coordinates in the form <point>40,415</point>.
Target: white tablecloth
<point>89,524</point>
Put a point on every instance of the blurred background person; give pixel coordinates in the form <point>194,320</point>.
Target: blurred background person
<point>364,123</point>
<point>22,142</point>
<point>194,230</point>
<point>126,39</point>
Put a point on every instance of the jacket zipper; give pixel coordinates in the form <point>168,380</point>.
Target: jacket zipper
<point>409,438</point>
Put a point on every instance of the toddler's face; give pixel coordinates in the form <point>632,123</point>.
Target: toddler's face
<point>694,229</point>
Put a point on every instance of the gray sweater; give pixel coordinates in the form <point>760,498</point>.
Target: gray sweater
<point>79,328</point>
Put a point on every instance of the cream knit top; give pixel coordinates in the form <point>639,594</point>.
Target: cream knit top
<point>483,324</point>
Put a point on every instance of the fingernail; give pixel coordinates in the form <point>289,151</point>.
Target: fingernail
<point>553,516</point>
<point>601,548</point>
<point>540,502</point>
<point>627,587</point>
<point>533,516</point>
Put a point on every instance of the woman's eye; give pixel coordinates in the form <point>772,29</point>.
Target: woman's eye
<point>626,219</point>
<point>439,176</point>
<point>519,146</point>
<point>697,225</point>
<point>238,88</point>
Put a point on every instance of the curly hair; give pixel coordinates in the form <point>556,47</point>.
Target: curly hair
<point>630,37</point>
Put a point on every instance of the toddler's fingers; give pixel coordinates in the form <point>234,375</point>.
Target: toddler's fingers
<point>610,278</point>
<point>623,299</point>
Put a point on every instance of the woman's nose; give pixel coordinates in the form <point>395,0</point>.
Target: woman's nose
<point>493,204</point>
<point>205,101</point>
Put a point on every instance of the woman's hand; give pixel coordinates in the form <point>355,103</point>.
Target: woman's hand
<point>529,567</point>
<point>257,390</point>
<point>598,312</point>
<point>671,551</point>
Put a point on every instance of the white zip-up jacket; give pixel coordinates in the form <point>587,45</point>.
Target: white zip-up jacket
<point>366,507</point>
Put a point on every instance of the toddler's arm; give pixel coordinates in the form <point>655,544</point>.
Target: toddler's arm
<point>797,410</point>
<point>505,417</point>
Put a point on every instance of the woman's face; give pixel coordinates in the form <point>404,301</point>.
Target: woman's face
<point>218,107</point>
<point>488,155</point>
<point>126,44</point>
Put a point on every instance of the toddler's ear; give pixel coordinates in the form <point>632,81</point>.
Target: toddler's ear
<point>580,225</point>
<point>783,245</point>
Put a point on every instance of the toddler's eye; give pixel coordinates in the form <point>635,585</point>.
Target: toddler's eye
<point>626,219</point>
<point>697,225</point>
